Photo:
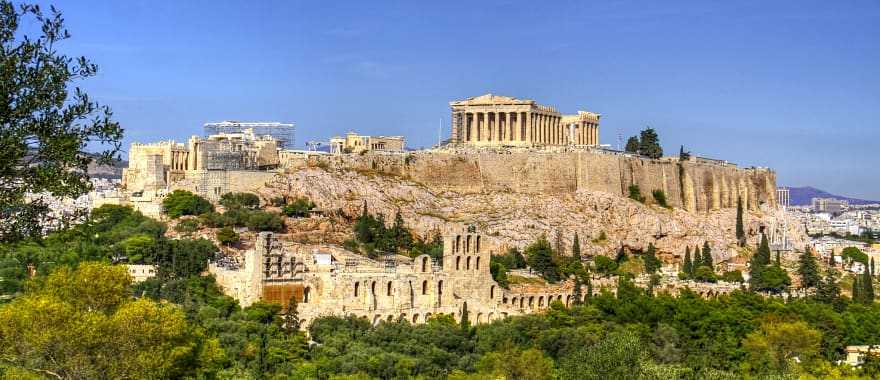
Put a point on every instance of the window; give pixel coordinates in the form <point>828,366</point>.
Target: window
<point>388,291</point>
<point>357,288</point>
<point>425,287</point>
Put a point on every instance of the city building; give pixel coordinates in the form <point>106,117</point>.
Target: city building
<point>355,143</point>
<point>492,120</point>
<point>830,205</point>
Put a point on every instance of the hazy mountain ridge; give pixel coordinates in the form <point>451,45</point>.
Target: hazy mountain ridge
<point>803,196</point>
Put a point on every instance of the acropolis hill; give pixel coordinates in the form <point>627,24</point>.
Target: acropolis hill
<point>511,172</point>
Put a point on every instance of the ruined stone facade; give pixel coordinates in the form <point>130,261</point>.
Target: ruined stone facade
<point>492,120</point>
<point>328,280</point>
<point>354,143</point>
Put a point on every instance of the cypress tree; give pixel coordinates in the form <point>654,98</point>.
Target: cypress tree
<point>621,255</point>
<point>758,262</point>
<point>576,248</point>
<point>857,289</point>
<point>589,289</point>
<point>740,230</point>
<point>868,285</point>
<point>698,257</point>
<point>808,269</point>
<point>465,323</point>
<point>707,256</point>
<point>577,294</point>
<point>688,264</point>
<point>828,290</point>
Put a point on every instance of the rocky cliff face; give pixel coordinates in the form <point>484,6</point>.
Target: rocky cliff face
<point>695,186</point>
<point>517,218</point>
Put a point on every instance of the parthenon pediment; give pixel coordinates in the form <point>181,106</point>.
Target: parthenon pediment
<point>491,99</point>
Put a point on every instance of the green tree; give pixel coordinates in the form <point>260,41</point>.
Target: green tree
<point>649,144</point>
<point>576,248</point>
<point>688,266</point>
<point>577,292</point>
<point>855,254</point>
<point>632,145</point>
<point>652,263</point>
<point>264,221</point>
<point>605,265</point>
<point>867,282</point>
<point>808,269</point>
<point>733,276</point>
<point>227,236</point>
<point>465,322</point>
<point>758,262</point>
<point>683,155</point>
<point>776,345</point>
<point>707,256</point>
<point>705,274</point>
<point>300,207</point>
<point>246,200</point>
<point>774,279</point>
<point>828,290</point>
<point>48,121</point>
<point>660,197</point>
<point>740,230</point>
<point>539,256</point>
<point>618,356</point>
<point>182,202</point>
<point>636,194</point>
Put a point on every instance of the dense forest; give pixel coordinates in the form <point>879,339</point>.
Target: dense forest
<point>70,313</point>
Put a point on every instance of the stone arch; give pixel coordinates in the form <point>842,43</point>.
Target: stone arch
<point>478,244</point>
<point>467,263</point>
<point>415,318</point>
<point>439,292</point>
<point>357,288</point>
<point>424,287</point>
<point>403,316</point>
<point>491,317</point>
<point>457,262</point>
<point>479,318</point>
<point>522,302</point>
<point>390,318</point>
<point>457,243</point>
<point>478,263</point>
<point>388,289</point>
<point>373,294</point>
<point>412,295</point>
<point>492,292</point>
<point>540,301</point>
<point>427,316</point>
<point>531,301</point>
<point>467,245</point>
<point>513,301</point>
<point>559,297</point>
<point>424,264</point>
<point>307,294</point>
<point>567,300</point>
<point>376,319</point>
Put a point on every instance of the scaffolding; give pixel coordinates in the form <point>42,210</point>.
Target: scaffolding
<point>283,132</point>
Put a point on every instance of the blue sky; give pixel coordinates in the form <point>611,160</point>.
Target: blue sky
<point>793,85</point>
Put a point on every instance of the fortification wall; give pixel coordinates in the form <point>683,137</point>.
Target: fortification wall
<point>693,186</point>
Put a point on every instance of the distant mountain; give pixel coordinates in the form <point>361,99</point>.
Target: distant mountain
<point>803,196</point>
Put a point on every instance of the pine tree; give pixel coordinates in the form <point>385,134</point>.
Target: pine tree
<point>652,263</point>
<point>632,145</point>
<point>828,290</point>
<point>576,248</point>
<point>707,256</point>
<point>688,267</point>
<point>808,269</point>
<point>649,143</point>
<point>740,230</point>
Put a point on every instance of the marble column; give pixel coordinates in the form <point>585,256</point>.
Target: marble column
<point>529,133</point>
<point>497,126</point>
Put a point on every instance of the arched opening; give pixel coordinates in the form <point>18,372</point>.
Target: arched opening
<point>424,264</point>
<point>412,295</point>
<point>373,293</point>
<point>388,289</point>
<point>478,263</point>
<point>307,294</point>
<point>491,317</point>
<point>559,297</point>
<point>540,301</point>
<point>424,287</point>
<point>390,318</point>
<point>467,245</point>
<point>439,292</point>
<point>376,319</point>
<point>427,316</point>
<point>478,244</point>
<point>479,318</point>
<point>357,288</point>
<point>513,301</point>
<point>531,301</point>
<point>457,262</point>
<point>522,302</point>
<point>415,318</point>
<point>467,263</point>
<point>492,292</point>
<point>457,243</point>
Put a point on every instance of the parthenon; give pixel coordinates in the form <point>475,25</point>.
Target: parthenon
<point>492,120</point>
